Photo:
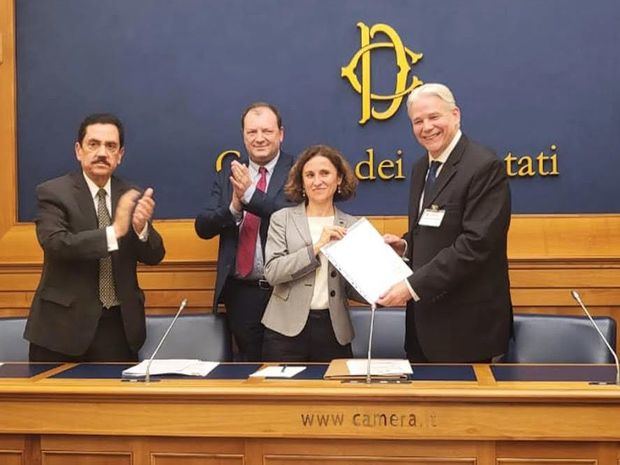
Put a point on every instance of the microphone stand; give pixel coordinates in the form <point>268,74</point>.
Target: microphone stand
<point>147,378</point>
<point>373,308</point>
<point>577,297</point>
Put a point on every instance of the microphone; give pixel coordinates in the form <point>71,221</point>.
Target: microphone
<point>147,378</point>
<point>577,298</point>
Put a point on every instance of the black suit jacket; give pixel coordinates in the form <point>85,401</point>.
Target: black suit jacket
<point>461,268</point>
<point>66,308</point>
<point>216,218</point>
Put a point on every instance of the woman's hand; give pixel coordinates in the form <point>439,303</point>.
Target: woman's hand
<point>330,233</point>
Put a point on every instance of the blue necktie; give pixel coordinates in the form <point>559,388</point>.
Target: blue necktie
<point>431,178</point>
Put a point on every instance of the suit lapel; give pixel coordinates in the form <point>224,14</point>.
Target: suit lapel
<point>417,185</point>
<point>339,218</point>
<point>84,200</point>
<point>447,171</point>
<point>278,177</point>
<point>117,189</point>
<point>300,220</point>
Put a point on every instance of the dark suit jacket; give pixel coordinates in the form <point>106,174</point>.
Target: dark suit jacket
<point>461,268</point>
<point>66,306</point>
<point>216,218</point>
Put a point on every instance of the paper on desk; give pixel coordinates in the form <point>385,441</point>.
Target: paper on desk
<point>366,261</point>
<point>379,367</point>
<point>172,366</point>
<point>278,372</point>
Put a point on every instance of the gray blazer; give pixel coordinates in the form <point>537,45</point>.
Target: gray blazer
<point>290,267</point>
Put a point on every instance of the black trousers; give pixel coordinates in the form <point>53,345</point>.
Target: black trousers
<point>245,304</point>
<point>415,354</point>
<point>316,342</point>
<point>108,345</point>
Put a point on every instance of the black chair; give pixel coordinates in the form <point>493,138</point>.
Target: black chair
<point>388,339</point>
<point>560,339</point>
<point>13,347</point>
<point>203,336</point>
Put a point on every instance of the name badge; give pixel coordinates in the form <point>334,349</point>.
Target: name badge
<point>432,217</point>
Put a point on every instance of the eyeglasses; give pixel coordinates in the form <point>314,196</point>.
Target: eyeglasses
<point>110,147</point>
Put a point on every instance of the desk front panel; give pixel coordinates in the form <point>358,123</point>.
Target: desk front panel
<point>54,419</point>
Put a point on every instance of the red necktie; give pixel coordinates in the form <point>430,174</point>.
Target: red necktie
<point>248,233</point>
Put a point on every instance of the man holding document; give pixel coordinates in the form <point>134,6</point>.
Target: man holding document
<point>458,298</point>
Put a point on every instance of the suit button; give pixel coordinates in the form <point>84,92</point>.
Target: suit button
<point>332,293</point>
<point>333,274</point>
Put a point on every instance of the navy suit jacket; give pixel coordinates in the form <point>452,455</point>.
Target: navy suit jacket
<point>66,308</point>
<point>216,218</point>
<point>461,267</point>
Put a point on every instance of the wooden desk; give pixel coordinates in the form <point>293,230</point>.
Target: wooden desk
<point>54,421</point>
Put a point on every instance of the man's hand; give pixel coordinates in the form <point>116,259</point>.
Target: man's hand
<point>240,178</point>
<point>397,296</point>
<point>144,211</point>
<point>329,233</point>
<point>123,214</point>
<point>398,244</point>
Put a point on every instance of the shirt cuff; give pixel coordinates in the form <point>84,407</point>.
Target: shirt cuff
<point>415,296</point>
<point>404,257</point>
<point>247,195</point>
<point>144,234</point>
<point>111,239</point>
<point>237,215</point>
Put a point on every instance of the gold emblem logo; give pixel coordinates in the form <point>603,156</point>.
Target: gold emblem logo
<point>402,54</point>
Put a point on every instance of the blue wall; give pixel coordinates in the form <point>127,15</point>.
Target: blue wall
<point>527,74</point>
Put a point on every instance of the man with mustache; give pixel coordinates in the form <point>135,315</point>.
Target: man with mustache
<point>93,228</point>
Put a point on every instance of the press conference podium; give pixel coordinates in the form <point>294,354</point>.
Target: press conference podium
<point>447,414</point>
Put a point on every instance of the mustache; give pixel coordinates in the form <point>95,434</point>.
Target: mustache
<point>100,160</point>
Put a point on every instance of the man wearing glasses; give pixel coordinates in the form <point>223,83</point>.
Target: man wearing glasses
<point>93,228</point>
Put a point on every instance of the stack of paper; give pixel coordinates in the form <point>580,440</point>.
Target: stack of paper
<point>172,366</point>
<point>379,368</point>
<point>282,371</point>
<point>366,261</point>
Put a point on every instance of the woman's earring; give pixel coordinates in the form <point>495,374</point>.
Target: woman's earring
<point>339,189</point>
<point>303,193</point>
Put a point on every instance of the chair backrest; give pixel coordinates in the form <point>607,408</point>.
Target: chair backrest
<point>560,339</point>
<point>13,347</point>
<point>388,340</point>
<point>203,336</point>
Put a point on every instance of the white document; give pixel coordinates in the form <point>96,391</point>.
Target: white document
<point>379,367</point>
<point>366,261</point>
<point>282,371</point>
<point>172,366</point>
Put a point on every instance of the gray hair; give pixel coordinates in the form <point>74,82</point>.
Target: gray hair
<point>433,88</point>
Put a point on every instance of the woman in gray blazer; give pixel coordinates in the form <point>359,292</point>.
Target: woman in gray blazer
<point>307,318</point>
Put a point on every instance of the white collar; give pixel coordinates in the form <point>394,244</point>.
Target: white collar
<point>443,156</point>
<point>269,166</point>
<point>94,188</point>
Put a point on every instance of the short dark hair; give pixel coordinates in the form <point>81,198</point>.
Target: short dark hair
<point>101,118</point>
<point>255,105</point>
<point>294,187</point>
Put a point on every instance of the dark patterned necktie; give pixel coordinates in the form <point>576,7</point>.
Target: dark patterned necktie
<point>107,292</point>
<point>248,233</point>
<point>431,178</point>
